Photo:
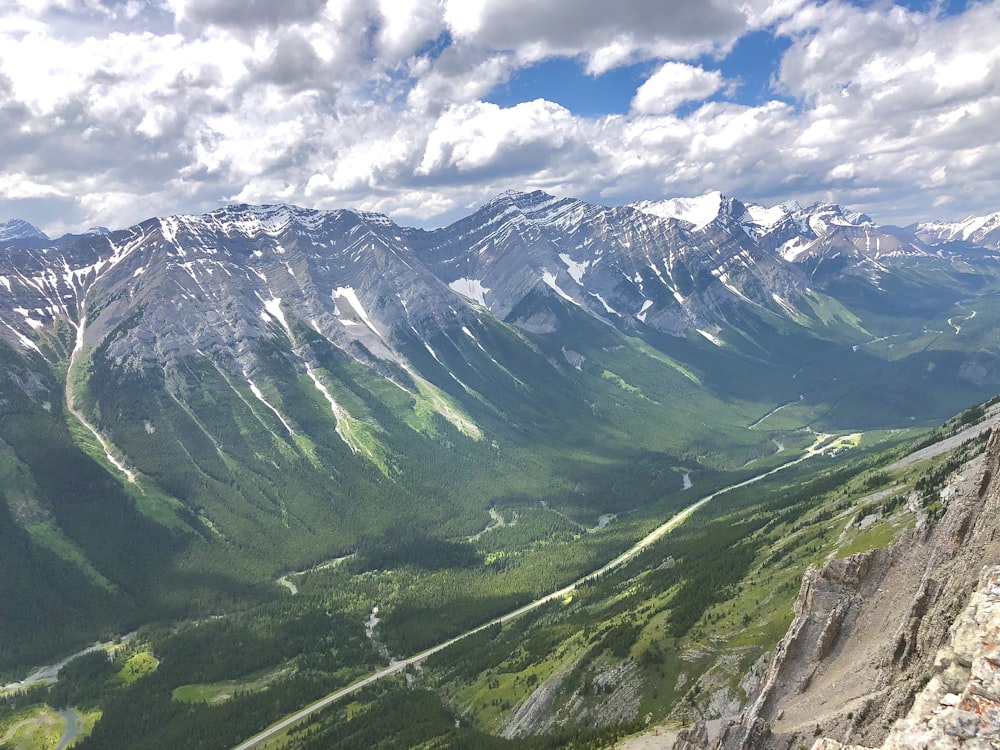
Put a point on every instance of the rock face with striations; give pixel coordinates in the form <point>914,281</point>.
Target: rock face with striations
<point>894,648</point>
<point>960,706</point>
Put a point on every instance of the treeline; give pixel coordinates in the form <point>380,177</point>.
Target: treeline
<point>970,416</point>
<point>929,485</point>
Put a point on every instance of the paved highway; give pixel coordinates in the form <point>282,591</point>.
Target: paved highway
<point>259,740</point>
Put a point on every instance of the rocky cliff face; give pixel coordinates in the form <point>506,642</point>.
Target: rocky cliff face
<point>893,648</point>
<point>960,706</point>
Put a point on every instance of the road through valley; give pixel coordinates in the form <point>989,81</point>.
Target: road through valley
<point>260,740</point>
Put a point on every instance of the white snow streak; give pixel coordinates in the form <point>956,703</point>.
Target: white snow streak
<point>641,315</point>
<point>348,294</point>
<point>340,414</point>
<point>607,307</point>
<point>785,305</point>
<point>273,306</point>
<point>260,397</point>
<point>25,341</point>
<point>550,279</point>
<point>715,340</point>
<point>576,270</point>
<point>468,333</point>
<point>105,444</point>
<point>471,288</point>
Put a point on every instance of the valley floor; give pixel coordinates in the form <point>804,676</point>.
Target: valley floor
<point>821,444</point>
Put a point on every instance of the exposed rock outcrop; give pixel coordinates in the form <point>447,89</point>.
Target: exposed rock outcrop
<point>615,699</point>
<point>960,706</point>
<point>867,634</point>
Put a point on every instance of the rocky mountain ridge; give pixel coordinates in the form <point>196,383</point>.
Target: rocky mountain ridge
<point>416,307</point>
<point>983,231</point>
<point>894,648</point>
<point>19,229</point>
<point>960,706</point>
<point>638,266</point>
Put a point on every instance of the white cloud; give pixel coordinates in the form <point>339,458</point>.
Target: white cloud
<point>112,111</point>
<point>407,25</point>
<point>482,136</point>
<point>246,14</point>
<point>674,84</point>
<point>459,76</point>
<point>606,34</point>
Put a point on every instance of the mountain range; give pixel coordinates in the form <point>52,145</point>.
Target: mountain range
<point>195,403</point>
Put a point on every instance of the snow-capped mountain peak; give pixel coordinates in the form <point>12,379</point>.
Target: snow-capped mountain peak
<point>700,210</point>
<point>18,229</point>
<point>979,230</point>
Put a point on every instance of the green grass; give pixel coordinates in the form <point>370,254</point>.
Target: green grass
<point>138,666</point>
<point>37,728</point>
<point>830,311</point>
<point>659,356</point>
<point>880,534</point>
<point>220,692</point>
<point>749,617</point>
<point>617,380</point>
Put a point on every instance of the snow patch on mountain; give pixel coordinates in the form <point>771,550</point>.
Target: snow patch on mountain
<point>977,229</point>
<point>607,307</point>
<point>575,270</point>
<point>550,279</point>
<point>273,308</point>
<point>19,229</point>
<point>471,288</point>
<point>260,397</point>
<point>641,315</point>
<point>348,294</point>
<point>699,211</point>
<point>766,218</point>
<point>340,415</point>
<point>794,248</point>
<point>714,339</point>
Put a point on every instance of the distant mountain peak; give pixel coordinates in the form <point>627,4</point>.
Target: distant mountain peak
<point>980,230</point>
<point>700,210</point>
<point>17,229</point>
<point>522,200</point>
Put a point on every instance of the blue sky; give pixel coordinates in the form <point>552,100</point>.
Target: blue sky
<point>752,62</point>
<point>423,109</point>
<point>564,81</point>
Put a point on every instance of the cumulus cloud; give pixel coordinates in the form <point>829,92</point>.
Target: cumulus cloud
<point>606,34</point>
<point>111,111</point>
<point>673,84</point>
<point>247,14</point>
<point>294,62</point>
<point>407,25</point>
<point>481,137</point>
<point>458,76</point>
<point>899,96</point>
